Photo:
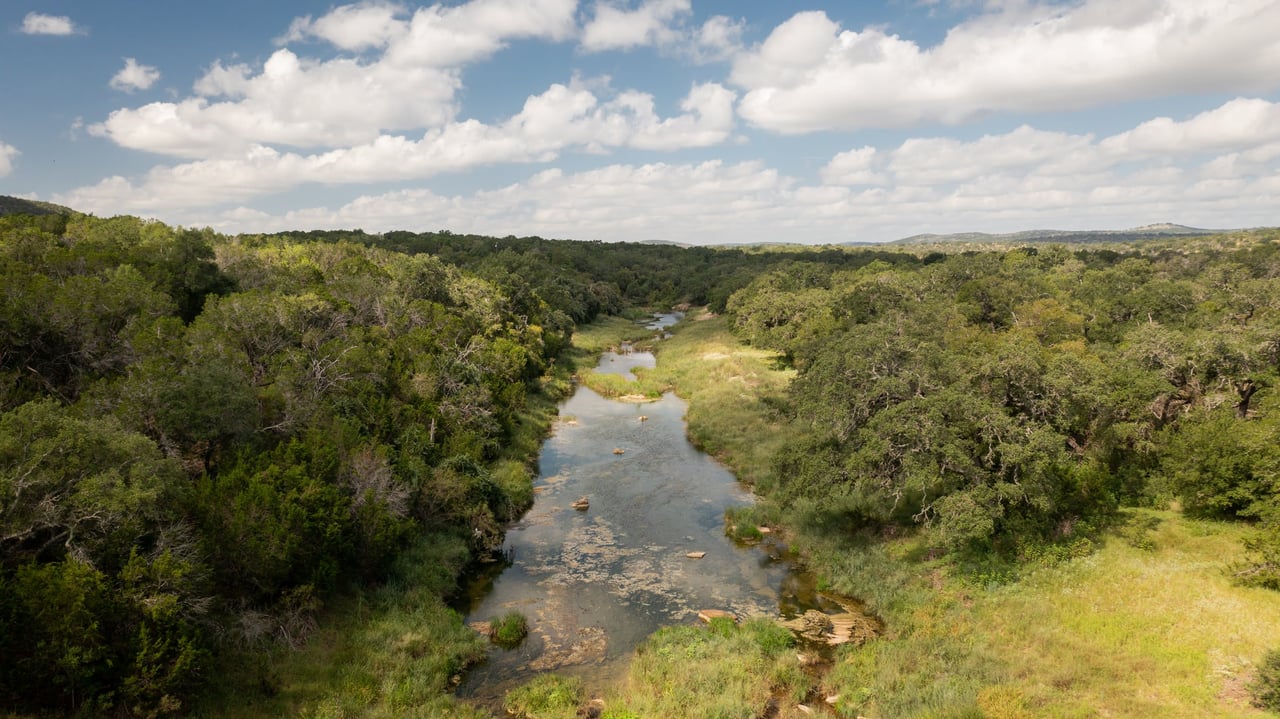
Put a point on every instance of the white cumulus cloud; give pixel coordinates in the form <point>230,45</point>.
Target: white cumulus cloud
<point>931,161</point>
<point>855,167</point>
<point>562,117</point>
<point>352,27</point>
<point>1247,130</point>
<point>7,153</point>
<point>1023,178</point>
<point>291,101</point>
<point>725,202</point>
<point>39,24</point>
<point>134,76</point>
<point>810,75</point>
<point>718,202</point>
<point>1240,123</point>
<point>662,24</point>
<point>615,27</point>
<point>719,38</point>
<point>411,83</point>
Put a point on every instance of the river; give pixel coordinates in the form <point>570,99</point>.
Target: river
<point>593,584</point>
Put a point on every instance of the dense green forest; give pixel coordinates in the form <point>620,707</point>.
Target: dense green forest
<point>1004,398</point>
<point>205,438</point>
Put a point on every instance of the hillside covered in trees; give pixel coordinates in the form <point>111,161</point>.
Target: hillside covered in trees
<point>1005,396</point>
<point>205,438</point>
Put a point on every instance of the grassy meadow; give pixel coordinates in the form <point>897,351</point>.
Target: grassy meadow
<point>607,333</point>
<point>733,393</point>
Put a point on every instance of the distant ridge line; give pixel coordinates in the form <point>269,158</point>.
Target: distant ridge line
<point>1152,231</point>
<point>10,205</point>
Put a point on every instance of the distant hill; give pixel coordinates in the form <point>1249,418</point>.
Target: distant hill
<point>17,206</point>
<point>664,242</point>
<point>1146,232</point>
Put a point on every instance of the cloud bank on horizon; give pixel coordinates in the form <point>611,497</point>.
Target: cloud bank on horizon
<point>657,119</point>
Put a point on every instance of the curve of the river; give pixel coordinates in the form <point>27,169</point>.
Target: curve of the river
<point>595,583</point>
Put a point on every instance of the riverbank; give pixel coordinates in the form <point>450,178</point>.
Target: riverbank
<point>1142,622</point>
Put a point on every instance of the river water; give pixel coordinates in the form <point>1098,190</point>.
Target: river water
<point>595,583</point>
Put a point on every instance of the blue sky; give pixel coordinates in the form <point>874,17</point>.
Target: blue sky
<point>683,120</point>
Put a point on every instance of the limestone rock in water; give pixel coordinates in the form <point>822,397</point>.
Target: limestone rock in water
<point>618,450</point>
<point>707,615</point>
<point>484,629</point>
<point>696,555</point>
<point>816,625</point>
<point>833,628</point>
<point>852,627</point>
<point>581,503</point>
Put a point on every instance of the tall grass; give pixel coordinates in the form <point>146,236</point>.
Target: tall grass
<point>1151,630</point>
<point>608,333</point>
<point>546,697</point>
<point>616,386</point>
<point>736,394</point>
<point>723,671</point>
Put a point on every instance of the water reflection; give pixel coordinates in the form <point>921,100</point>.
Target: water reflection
<point>595,583</point>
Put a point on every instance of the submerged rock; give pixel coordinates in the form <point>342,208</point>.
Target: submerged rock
<point>707,615</point>
<point>816,625</point>
<point>589,646</point>
<point>581,503</point>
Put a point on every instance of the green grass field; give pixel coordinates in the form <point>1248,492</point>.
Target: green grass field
<point>733,393</point>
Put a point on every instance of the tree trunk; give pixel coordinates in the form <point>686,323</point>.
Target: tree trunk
<point>1245,388</point>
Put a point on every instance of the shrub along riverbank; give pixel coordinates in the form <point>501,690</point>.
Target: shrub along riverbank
<point>394,651</point>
